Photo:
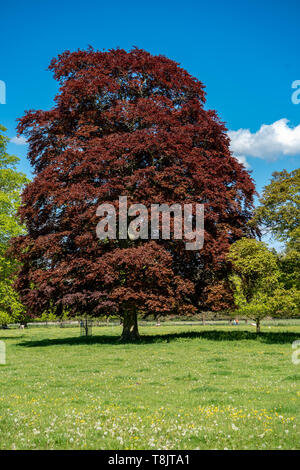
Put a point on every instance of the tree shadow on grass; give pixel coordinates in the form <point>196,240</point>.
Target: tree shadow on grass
<point>11,338</point>
<point>239,335</point>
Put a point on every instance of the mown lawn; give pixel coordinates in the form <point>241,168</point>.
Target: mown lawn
<point>182,387</point>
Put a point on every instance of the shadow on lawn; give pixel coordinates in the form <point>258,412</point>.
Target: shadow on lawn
<point>265,337</point>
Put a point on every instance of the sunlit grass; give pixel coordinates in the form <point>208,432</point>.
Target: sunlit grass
<point>188,387</point>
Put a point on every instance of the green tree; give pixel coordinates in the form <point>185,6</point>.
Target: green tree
<point>279,210</point>
<point>11,185</point>
<point>255,278</point>
<point>289,265</point>
<point>281,303</point>
<point>284,302</point>
<point>279,214</point>
<point>10,307</point>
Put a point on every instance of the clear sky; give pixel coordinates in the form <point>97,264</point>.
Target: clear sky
<point>246,52</point>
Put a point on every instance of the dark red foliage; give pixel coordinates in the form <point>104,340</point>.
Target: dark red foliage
<point>218,297</point>
<point>124,124</point>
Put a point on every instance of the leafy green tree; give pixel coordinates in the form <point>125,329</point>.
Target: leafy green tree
<point>289,265</point>
<point>281,303</point>
<point>279,210</point>
<point>284,303</point>
<point>10,307</point>
<point>279,214</point>
<point>11,185</point>
<point>255,278</point>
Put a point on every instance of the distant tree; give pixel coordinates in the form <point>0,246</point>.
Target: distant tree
<point>11,185</point>
<point>125,123</point>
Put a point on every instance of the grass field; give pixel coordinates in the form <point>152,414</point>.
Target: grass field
<point>182,387</point>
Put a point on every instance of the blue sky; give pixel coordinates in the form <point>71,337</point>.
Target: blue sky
<point>246,53</point>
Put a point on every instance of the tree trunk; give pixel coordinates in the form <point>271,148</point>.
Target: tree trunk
<point>130,326</point>
<point>203,319</point>
<point>257,325</point>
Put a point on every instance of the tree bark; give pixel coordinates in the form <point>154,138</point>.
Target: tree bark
<point>257,325</point>
<point>130,326</point>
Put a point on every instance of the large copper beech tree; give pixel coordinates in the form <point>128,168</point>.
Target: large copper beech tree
<point>125,123</point>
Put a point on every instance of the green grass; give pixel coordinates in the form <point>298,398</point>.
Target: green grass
<point>188,387</point>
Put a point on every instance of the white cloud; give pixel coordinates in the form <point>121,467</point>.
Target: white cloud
<point>242,159</point>
<point>270,142</point>
<point>18,140</point>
